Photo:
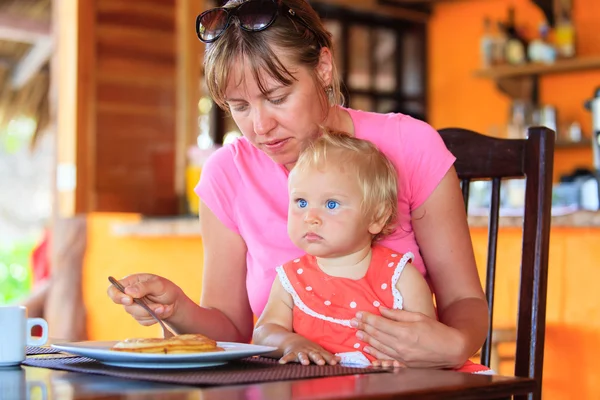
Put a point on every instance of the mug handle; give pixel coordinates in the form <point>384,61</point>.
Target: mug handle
<point>31,322</point>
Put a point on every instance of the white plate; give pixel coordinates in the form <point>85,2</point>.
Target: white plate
<point>102,352</point>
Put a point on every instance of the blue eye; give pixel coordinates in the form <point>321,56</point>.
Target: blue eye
<point>301,203</point>
<point>332,204</point>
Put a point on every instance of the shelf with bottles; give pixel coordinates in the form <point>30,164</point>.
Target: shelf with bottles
<point>539,69</point>
<point>522,81</point>
<point>516,62</point>
<point>584,143</point>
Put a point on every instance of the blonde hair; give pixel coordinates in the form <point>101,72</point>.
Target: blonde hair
<point>289,36</point>
<point>375,173</point>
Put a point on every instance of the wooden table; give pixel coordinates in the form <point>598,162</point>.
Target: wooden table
<point>46,384</point>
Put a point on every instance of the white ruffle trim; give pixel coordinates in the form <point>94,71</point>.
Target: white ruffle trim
<point>487,372</point>
<point>287,285</point>
<point>353,359</point>
<point>399,268</point>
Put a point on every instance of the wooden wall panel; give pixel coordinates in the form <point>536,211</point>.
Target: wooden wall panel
<point>126,125</point>
<point>141,95</point>
<point>125,89</point>
<point>135,106</point>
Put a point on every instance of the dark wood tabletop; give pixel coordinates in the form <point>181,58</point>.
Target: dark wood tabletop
<point>41,383</point>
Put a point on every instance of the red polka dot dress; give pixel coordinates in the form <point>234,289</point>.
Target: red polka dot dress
<point>324,304</point>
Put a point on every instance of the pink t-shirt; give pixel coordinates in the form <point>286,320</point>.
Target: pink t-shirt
<point>247,191</point>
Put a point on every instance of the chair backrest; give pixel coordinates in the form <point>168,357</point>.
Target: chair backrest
<point>480,157</point>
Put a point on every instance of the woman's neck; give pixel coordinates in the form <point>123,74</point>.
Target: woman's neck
<point>339,119</point>
<point>351,266</point>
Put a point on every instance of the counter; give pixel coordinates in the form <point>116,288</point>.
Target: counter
<point>190,226</point>
<point>577,219</point>
<point>156,227</point>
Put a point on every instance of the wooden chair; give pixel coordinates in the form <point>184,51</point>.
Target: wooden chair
<point>481,157</point>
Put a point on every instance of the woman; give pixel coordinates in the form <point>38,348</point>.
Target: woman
<point>271,65</point>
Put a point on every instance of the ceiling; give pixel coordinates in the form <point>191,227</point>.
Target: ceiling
<point>26,46</point>
<point>25,38</point>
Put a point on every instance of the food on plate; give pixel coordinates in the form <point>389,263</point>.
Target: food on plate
<point>188,343</point>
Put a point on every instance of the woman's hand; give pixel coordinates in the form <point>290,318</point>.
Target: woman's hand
<point>304,351</point>
<point>412,339</point>
<point>162,296</point>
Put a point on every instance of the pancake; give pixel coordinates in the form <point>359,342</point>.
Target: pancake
<point>179,344</point>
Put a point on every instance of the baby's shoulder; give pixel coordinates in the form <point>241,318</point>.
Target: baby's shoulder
<point>391,257</point>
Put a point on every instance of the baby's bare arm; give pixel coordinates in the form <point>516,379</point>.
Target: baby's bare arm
<point>276,319</point>
<point>415,292</point>
<point>274,328</point>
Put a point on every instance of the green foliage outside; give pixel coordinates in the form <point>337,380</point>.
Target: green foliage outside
<point>15,264</point>
<point>15,271</point>
<point>16,134</point>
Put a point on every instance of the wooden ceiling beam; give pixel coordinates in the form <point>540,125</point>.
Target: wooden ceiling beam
<point>31,63</point>
<point>17,28</point>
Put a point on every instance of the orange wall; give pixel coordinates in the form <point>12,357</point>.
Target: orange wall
<point>457,98</point>
<point>178,258</point>
<point>571,355</point>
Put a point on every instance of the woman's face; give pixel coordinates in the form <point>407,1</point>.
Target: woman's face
<point>281,121</point>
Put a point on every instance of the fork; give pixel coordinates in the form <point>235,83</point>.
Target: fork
<point>166,332</point>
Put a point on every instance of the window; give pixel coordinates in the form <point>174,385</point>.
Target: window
<point>381,59</point>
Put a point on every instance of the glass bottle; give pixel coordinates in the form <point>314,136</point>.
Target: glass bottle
<point>565,36</point>
<point>515,50</point>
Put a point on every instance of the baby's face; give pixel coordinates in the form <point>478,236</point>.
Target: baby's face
<point>325,217</point>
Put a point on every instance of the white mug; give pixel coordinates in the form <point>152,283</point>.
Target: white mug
<point>15,334</point>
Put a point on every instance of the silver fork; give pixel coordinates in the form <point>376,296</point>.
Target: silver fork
<point>166,332</point>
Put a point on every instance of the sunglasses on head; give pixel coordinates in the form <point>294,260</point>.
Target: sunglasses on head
<point>253,16</point>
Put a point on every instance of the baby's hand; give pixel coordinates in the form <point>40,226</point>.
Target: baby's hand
<point>304,351</point>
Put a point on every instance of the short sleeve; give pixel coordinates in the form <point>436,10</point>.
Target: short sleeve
<point>219,185</point>
<point>425,159</point>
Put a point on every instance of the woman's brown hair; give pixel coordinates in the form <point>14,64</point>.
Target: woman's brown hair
<point>287,35</point>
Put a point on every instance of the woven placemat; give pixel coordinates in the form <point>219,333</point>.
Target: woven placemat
<point>33,350</point>
<point>248,370</point>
